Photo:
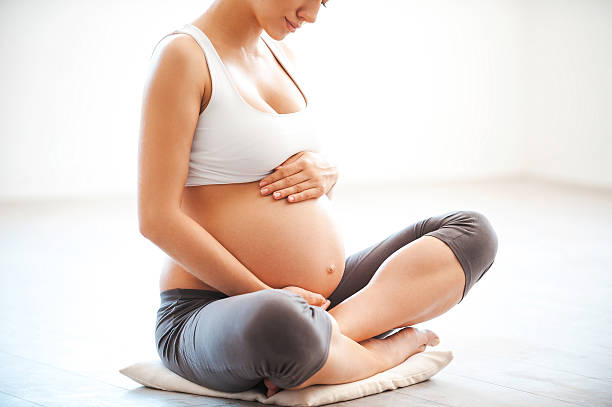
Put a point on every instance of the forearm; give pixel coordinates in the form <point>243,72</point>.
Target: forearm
<point>198,252</point>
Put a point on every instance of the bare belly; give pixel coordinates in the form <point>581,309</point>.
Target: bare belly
<point>281,243</point>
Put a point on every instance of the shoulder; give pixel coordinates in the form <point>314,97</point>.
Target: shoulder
<point>180,47</point>
<point>179,56</point>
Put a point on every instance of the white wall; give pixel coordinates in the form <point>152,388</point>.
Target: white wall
<point>421,90</point>
<point>406,90</point>
<point>72,80</point>
<point>568,62</point>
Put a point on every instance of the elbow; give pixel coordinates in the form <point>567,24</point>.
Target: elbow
<point>146,227</point>
<point>150,215</point>
<point>144,219</point>
<point>149,224</point>
<point>153,230</point>
<point>153,223</point>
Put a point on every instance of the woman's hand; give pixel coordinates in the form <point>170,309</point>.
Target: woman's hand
<point>311,298</point>
<point>304,175</point>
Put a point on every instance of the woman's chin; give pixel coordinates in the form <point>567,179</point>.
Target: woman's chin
<point>277,35</point>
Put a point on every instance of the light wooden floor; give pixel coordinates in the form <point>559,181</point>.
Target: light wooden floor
<point>79,294</point>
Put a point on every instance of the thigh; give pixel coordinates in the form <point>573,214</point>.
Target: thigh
<point>468,233</point>
<point>233,343</point>
<point>361,266</point>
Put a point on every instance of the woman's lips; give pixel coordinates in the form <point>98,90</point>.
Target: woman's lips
<point>290,26</point>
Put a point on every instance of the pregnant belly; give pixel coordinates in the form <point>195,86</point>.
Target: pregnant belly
<point>281,243</point>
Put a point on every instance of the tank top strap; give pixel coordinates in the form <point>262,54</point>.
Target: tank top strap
<point>279,54</point>
<point>218,75</point>
<point>285,62</point>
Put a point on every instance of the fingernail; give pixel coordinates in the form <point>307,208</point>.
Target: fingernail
<point>276,194</point>
<point>264,190</point>
<point>262,183</point>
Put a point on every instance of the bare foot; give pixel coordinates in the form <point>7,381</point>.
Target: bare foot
<point>272,388</point>
<point>398,347</point>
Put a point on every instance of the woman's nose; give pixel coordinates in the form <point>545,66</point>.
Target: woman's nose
<point>309,13</point>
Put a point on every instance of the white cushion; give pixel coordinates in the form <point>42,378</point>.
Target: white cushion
<point>415,369</point>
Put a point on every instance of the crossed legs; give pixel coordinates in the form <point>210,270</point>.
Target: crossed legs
<point>418,282</point>
<point>412,276</point>
<point>230,343</point>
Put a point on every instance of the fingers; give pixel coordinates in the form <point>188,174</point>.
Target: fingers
<point>280,172</point>
<point>288,185</point>
<point>296,193</point>
<point>297,180</point>
<point>315,298</point>
<point>321,301</point>
<point>311,297</point>
<point>311,193</point>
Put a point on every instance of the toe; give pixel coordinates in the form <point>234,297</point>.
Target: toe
<point>431,338</point>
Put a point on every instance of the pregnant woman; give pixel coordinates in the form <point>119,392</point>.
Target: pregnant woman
<point>257,289</point>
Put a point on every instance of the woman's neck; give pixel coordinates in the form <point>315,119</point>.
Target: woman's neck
<point>233,24</point>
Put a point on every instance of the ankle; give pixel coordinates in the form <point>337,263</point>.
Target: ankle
<point>381,353</point>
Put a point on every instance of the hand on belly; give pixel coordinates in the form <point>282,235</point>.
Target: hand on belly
<point>311,298</point>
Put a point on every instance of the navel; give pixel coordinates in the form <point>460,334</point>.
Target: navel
<point>331,268</point>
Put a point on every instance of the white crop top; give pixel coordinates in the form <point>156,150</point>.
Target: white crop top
<point>234,142</point>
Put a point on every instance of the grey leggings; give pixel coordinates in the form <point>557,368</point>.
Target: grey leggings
<point>232,343</point>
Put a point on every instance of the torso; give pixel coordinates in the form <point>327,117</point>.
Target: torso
<point>281,243</point>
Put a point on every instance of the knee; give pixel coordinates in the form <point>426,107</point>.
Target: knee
<point>290,335</point>
<point>484,235</point>
<point>286,323</point>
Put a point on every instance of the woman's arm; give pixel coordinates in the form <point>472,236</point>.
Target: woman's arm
<point>171,106</point>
